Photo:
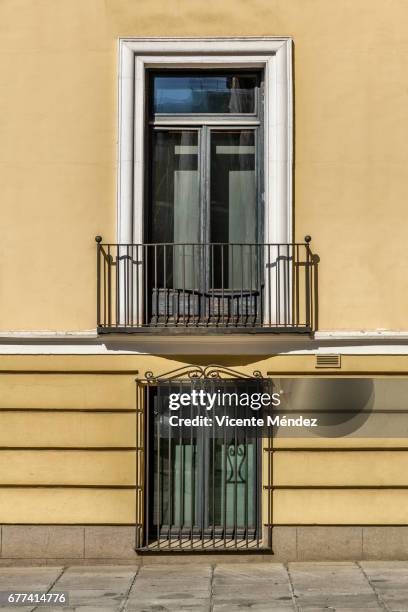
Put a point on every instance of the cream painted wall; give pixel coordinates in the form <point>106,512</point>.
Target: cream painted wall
<point>58,78</point>
<point>68,445</point>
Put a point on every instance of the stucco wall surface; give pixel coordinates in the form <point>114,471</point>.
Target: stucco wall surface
<point>58,120</point>
<point>68,439</point>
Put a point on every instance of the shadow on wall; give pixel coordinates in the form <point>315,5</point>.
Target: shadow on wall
<point>342,406</point>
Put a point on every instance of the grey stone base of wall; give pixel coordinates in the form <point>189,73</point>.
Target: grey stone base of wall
<point>56,544</point>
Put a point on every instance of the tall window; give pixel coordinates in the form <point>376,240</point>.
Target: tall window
<point>205,140</point>
<point>205,136</point>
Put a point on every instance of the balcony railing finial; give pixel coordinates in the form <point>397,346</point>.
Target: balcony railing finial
<point>98,239</point>
<point>308,239</point>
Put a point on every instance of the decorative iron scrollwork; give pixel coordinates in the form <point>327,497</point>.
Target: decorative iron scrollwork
<point>236,455</point>
<point>195,372</point>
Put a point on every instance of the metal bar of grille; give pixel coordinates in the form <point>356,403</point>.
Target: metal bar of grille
<point>269,477</point>
<point>170,487</point>
<point>258,486</point>
<point>140,449</point>
<point>159,473</point>
<point>235,529</point>
<point>224,456</point>
<point>192,476</point>
<point>181,488</point>
<point>147,461</point>
<point>213,491</point>
<point>246,493</point>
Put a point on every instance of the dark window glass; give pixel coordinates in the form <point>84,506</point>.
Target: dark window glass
<point>204,93</point>
<point>175,207</point>
<point>175,187</point>
<point>233,186</point>
<point>233,211</point>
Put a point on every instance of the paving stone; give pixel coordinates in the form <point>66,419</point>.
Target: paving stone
<point>18,609</point>
<point>175,570</point>
<point>395,603</point>
<point>172,605</point>
<point>332,585</point>
<point>259,607</point>
<point>314,609</point>
<point>81,609</point>
<point>118,581</point>
<point>253,586</point>
<point>98,568</point>
<point>88,597</point>
<point>27,578</point>
<point>161,588</point>
<point>228,587</point>
<point>253,603</point>
<point>177,591</point>
<point>390,581</point>
<point>274,573</point>
<point>170,590</point>
<point>355,601</point>
<point>252,590</point>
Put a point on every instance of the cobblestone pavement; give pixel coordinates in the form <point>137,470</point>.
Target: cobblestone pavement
<point>219,587</point>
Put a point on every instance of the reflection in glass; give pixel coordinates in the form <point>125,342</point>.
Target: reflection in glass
<point>233,483</point>
<point>175,205</point>
<point>228,475</point>
<point>203,481</point>
<point>204,93</point>
<point>233,210</point>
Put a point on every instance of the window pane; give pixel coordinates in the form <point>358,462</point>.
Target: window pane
<point>175,206</point>
<point>175,187</point>
<point>204,93</point>
<point>233,210</point>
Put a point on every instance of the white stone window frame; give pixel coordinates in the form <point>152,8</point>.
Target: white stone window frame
<point>272,54</point>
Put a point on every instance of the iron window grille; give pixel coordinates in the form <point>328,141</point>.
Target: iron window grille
<point>196,492</point>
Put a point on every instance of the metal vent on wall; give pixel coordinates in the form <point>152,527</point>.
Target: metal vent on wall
<point>328,361</point>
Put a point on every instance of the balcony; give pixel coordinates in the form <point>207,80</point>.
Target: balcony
<point>209,286</point>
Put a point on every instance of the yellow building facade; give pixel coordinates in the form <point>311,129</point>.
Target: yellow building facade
<point>312,99</point>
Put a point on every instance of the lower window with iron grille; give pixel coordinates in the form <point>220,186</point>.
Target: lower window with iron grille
<point>202,489</point>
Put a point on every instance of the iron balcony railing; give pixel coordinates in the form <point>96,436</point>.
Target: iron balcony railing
<point>207,285</point>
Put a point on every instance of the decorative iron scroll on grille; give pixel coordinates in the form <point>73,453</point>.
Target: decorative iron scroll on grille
<point>197,492</point>
<point>200,372</point>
